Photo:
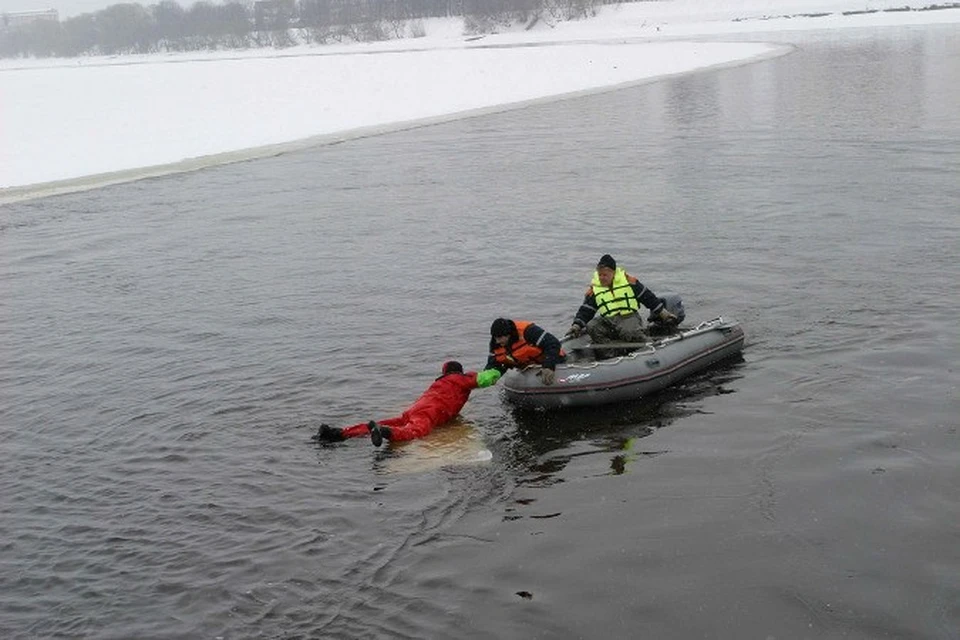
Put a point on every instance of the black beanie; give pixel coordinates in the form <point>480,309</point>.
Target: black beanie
<point>451,366</point>
<point>502,327</point>
<point>607,261</point>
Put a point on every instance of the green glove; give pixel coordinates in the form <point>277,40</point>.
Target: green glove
<point>488,378</point>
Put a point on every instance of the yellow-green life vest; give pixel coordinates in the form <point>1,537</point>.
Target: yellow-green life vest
<point>619,299</point>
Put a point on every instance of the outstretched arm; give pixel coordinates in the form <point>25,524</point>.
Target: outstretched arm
<point>478,380</point>
<point>488,378</point>
<point>492,360</point>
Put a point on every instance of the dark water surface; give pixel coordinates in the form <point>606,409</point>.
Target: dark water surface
<point>170,345</point>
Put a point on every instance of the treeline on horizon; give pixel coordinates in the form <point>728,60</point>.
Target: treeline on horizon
<point>167,26</point>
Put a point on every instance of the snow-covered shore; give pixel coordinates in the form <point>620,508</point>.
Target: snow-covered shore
<point>80,123</point>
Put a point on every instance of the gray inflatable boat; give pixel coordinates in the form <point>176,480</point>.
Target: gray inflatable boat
<point>585,381</point>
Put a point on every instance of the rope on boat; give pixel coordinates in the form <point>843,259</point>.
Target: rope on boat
<point>651,348</point>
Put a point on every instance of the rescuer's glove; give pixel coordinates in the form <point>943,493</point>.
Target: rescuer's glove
<point>547,376</point>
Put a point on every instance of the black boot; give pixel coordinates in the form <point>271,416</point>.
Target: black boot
<point>378,433</point>
<point>326,433</point>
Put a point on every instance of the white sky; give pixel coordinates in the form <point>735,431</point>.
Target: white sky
<point>70,8</point>
<point>142,115</point>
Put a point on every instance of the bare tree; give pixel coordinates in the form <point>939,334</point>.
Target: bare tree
<point>128,27</point>
<point>124,28</point>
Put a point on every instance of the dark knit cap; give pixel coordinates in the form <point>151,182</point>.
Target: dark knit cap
<point>502,327</point>
<point>607,261</point>
<point>452,366</point>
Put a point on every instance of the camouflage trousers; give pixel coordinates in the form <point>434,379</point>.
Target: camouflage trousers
<point>616,329</point>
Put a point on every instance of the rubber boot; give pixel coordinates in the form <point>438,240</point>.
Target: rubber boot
<point>378,433</point>
<point>326,433</point>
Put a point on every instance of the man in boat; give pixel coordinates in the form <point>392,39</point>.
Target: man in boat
<point>518,343</point>
<point>610,311</point>
<point>440,403</point>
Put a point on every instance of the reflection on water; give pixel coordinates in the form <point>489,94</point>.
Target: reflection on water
<point>858,82</point>
<point>539,444</point>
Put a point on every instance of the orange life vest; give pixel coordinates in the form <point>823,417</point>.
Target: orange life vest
<point>520,353</point>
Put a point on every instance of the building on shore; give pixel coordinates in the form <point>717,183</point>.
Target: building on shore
<point>15,19</point>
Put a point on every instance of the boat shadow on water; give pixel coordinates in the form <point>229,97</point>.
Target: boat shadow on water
<point>535,443</point>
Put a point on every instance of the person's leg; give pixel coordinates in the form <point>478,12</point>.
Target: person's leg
<point>362,430</point>
<point>601,329</point>
<point>615,329</point>
<point>416,425</point>
<point>398,428</point>
<point>630,328</point>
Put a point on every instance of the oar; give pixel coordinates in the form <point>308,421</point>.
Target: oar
<point>612,345</point>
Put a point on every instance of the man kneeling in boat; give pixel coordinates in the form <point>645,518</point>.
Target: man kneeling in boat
<point>610,310</point>
<point>519,344</point>
<point>440,403</point>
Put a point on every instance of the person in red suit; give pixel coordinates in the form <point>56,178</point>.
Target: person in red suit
<point>440,403</point>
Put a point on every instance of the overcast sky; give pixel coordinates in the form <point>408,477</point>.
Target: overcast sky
<point>68,8</point>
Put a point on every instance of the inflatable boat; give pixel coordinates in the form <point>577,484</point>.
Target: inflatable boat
<point>641,369</point>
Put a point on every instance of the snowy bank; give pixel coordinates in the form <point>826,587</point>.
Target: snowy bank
<point>76,124</point>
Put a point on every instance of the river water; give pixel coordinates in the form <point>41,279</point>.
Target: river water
<point>169,346</point>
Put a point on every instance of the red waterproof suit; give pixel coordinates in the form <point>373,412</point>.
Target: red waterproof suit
<point>440,403</point>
